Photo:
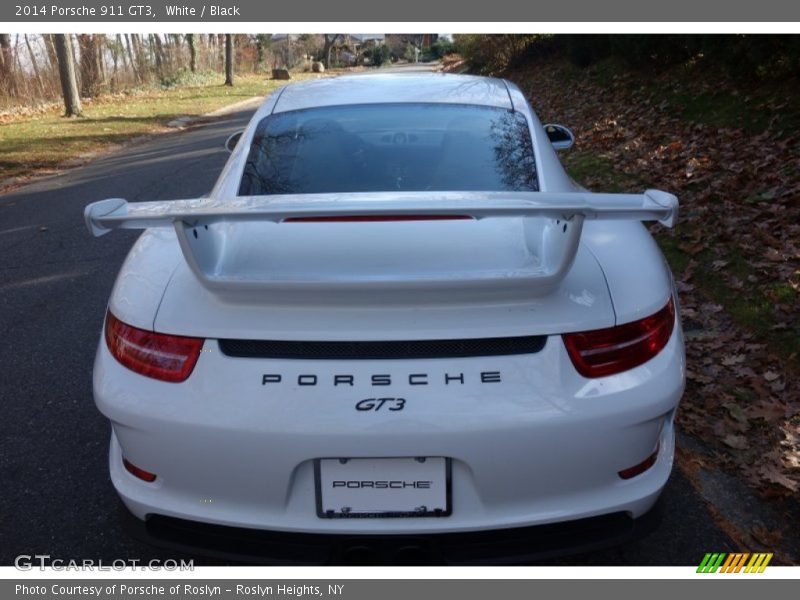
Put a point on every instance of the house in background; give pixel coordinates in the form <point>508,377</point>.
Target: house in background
<point>366,40</point>
<point>398,42</point>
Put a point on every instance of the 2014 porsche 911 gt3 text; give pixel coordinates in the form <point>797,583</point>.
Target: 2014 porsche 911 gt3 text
<point>395,317</point>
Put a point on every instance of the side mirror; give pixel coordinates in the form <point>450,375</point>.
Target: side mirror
<point>561,137</point>
<point>232,140</point>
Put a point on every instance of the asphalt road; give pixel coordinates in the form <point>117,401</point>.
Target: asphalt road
<point>55,280</point>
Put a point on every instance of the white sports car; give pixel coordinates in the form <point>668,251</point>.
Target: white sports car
<point>397,331</point>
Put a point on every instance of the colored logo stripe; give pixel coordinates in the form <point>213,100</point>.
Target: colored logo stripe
<point>734,562</point>
<point>711,562</point>
<point>758,563</point>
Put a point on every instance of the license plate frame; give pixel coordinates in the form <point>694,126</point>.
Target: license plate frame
<point>324,511</point>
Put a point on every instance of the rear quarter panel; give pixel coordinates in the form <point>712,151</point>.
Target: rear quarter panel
<point>143,277</point>
<point>638,277</point>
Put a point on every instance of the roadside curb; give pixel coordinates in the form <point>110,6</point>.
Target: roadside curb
<point>737,509</point>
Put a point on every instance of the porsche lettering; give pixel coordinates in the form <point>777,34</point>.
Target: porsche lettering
<point>311,379</point>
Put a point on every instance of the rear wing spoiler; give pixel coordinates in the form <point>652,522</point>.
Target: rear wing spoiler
<point>553,241</point>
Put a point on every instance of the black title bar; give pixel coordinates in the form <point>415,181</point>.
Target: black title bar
<point>497,11</point>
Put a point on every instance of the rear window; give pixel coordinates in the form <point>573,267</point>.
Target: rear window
<point>390,147</point>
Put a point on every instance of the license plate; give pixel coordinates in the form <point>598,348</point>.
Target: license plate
<point>383,487</point>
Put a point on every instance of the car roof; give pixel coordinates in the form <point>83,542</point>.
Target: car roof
<point>394,87</point>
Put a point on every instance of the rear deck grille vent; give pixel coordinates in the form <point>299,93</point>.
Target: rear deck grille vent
<point>379,350</point>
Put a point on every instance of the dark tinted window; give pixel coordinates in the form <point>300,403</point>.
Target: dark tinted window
<point>387,147</point>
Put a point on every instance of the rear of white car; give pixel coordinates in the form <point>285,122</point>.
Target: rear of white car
<point>447,366</point>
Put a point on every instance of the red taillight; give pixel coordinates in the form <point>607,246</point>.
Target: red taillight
<point>137,472</point>
<point>165,357</point>
<point>640,468</point>
<point>607,351</point>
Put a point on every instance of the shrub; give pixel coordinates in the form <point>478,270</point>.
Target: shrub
<point>441,47</point>
<point>379,55</point>
<point>496,53</point>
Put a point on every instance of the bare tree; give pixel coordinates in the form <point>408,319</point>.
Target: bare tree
<point>7,71</point>
<point>228,59</point>
<point>262,41</point>
<point>35,65</point>
<point>192,52</point>
<point>132,59</point>
<point>5,54</point>
<point>141,61</point>
<point>50,47</point>
<point>101,41</point>
<point>31,69</point>
<point>176,51</point>
<point>330,41</point>
<point>66,70</point>
<point>90,71</point>
<point>155,42</point>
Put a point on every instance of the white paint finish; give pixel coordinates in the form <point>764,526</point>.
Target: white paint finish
<point>543,445</point>
<point>581,301</point>
<point>143,277</point>
<point>638,276</point>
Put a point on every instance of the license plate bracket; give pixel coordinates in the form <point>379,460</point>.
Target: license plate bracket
<point>398,487</point>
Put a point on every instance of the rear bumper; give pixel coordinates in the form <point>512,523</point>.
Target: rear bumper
<point>505,546</point>
<point>544,447</point>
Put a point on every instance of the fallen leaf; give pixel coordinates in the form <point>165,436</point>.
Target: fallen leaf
<point>739,442</point>
<point>770,473</point>
<point>734,359</point>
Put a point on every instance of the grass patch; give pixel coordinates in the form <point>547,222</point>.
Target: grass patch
<point>752,306</point>
<point>45,141</point>
<point>756,112</point>
<point>696,95</point>
<point>596,171</point>
<point>678,259</point>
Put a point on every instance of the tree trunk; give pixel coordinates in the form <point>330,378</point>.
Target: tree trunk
<point>100,46</point>
<point>6,62</point>
<point>155,40</point>
<point>141,63</point>
<point>35,65</point>
<point>259,53</point>
<point>228,59</point>
<point>192,52</point>
<point>66,70</point>
<point>117,52</point>
<point>7,70</point>
<point>88,65</point>
<point>73,45</point>
<point>176,51</point>
<point>132,59</point>
<point>51,51</point>
<point>330,40</point>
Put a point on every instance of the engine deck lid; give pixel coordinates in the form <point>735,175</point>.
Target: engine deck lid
<point>579,301</point>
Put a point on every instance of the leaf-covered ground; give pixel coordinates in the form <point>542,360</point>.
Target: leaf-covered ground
<point>731,152</point>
